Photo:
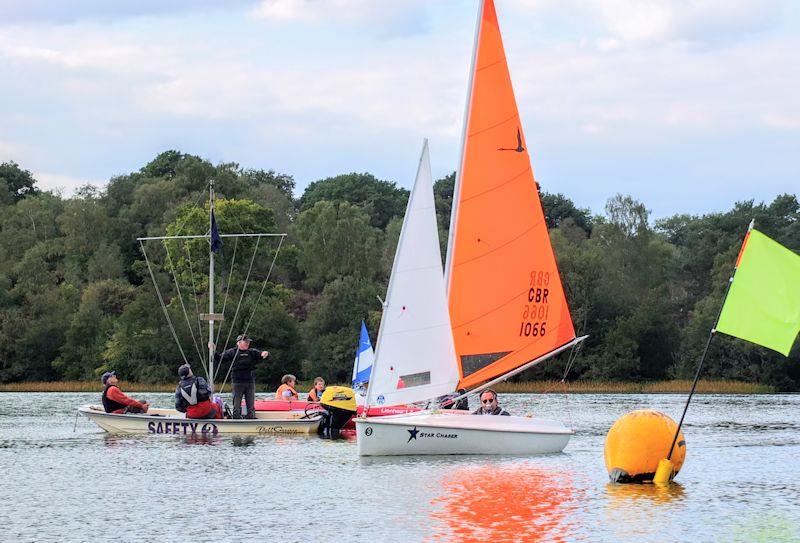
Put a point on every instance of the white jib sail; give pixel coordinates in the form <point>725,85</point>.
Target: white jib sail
<point>415,359</point>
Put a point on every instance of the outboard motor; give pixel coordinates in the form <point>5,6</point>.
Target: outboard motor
<point>340,407</point>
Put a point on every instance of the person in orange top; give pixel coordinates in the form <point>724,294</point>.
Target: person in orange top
<point>115,401</point>
<point>315,394</point>
<point>286,391</point>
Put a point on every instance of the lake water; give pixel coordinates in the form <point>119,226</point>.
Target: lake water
<point>740,482</point>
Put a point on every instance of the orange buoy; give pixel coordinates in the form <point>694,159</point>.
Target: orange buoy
<point>637,442</point>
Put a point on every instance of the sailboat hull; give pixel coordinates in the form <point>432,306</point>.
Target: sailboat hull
<point>436,432</point>
<point>169,421</point>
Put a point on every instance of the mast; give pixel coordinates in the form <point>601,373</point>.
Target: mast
<point>211,347</point>
<point>448,264</point>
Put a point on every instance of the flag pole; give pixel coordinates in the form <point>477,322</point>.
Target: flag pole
<point>664,475</point>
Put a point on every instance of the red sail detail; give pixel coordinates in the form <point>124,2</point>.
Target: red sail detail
<point>505,292</point>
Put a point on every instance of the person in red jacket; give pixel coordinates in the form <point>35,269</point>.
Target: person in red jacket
<point>193,396</point>
<point>115,401</point>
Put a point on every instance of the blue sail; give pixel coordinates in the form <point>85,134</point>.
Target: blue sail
<point>364,357</point>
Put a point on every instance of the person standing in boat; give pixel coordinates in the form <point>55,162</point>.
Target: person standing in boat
<point>116,401</point>
<point>315,394</point>
<point>287,391</point>
<point>193,396</point>
<point>490,404</point>
<point>243,381</point>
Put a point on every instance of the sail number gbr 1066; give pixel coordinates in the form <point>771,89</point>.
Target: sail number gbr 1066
<point>536,311</point>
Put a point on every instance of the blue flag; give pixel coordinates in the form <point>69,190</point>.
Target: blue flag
<point>216,240</point>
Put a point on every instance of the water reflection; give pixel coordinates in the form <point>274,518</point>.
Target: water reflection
<point>623,496</point>
<point>243,441</point>
<point>502,502</point>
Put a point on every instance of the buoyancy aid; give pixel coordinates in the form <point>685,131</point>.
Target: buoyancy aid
<point>191,391</point>
<point>110,405</point>
<point>283,388</point>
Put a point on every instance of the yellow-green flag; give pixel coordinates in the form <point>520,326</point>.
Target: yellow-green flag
<point>763,304</point>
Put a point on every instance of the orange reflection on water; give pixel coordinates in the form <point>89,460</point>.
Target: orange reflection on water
<point>497,503</point>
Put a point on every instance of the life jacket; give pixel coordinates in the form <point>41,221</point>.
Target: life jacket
<point>110,405</point>
<point>191,391</point>
<point>283,388</point>
<point>316,395</point>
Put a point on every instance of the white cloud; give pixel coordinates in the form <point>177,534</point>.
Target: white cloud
<point>64,184</point>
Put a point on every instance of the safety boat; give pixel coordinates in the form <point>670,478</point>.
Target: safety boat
<point>277,419</point>
<point>170,421</point>
<point>500,308</point>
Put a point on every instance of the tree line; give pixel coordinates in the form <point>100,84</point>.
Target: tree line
<point>77,296</point>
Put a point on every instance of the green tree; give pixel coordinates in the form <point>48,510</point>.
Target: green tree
<point>337,240</point>
<point>15,183</point>
<point>381,200</point>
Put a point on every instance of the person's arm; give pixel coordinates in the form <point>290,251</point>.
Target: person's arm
<point>180,402</point>
<point>114,393</point>
<point>259,352</point>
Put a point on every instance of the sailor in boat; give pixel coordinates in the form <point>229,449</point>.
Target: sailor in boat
<point>287,391</point>
<point>115,401</point>
<point>489,404</point>
<point>193,396</point>
<point>243,381</point>
<point>315,394</point>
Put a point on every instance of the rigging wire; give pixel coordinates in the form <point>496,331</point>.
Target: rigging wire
<point>227,287</point>
<point>183,306</point>
<point>196,306</point>
<point>163,306</point>
<point>255,306</point>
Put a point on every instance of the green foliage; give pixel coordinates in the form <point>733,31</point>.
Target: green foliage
<point>77,298</point>
<point>336,240</point>
<point>381,200</point>
<point>15,183</point>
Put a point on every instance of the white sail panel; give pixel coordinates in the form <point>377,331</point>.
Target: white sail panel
<point>415,359</point>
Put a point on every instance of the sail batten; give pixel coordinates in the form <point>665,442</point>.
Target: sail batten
<point>504,289</point>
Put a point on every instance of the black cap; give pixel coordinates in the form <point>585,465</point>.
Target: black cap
<point>243,337</point>
<point>184,370</point>
<point>106,376</point>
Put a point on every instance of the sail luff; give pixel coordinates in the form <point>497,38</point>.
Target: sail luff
<point>451,233</point>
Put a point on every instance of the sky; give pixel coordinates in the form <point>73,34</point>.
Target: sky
<point>687,105</point>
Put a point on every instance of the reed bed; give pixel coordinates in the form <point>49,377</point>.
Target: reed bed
<point>621,387</point>
<point>538,387</point>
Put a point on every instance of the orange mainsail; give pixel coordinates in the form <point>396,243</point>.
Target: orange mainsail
<point>507,304</point>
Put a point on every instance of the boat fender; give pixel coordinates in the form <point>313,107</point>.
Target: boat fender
<point>636,444</point>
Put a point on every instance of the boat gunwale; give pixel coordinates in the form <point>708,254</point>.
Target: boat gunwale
<point>396,420</point>
<point>87,410</point>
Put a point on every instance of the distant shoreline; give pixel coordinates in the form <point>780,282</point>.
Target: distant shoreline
<point>535,387</point>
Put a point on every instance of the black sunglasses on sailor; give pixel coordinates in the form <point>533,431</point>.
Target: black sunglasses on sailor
<point>490,400</point>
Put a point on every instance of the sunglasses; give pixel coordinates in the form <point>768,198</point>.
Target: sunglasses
<point>491,400</point>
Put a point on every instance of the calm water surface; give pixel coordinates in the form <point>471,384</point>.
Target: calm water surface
<point>741,481</point>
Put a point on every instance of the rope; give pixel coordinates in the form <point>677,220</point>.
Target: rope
<point>163,306</point>
<point>196,306</point>
<point>255,306</point>
<point>227,287</point>
<point>180,297</point>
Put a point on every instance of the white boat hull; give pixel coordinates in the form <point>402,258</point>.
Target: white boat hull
<point>172,422</point>
<point>444,432</point>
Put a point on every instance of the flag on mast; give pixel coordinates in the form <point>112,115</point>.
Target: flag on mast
<point>216,240</point>
<point>763,304</point>
<point>364,357</point>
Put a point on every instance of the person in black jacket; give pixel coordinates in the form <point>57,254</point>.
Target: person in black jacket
<point>243,382</point>
<point>490,405</point>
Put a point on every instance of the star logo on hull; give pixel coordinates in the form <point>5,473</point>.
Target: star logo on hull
<point>413,433</point>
